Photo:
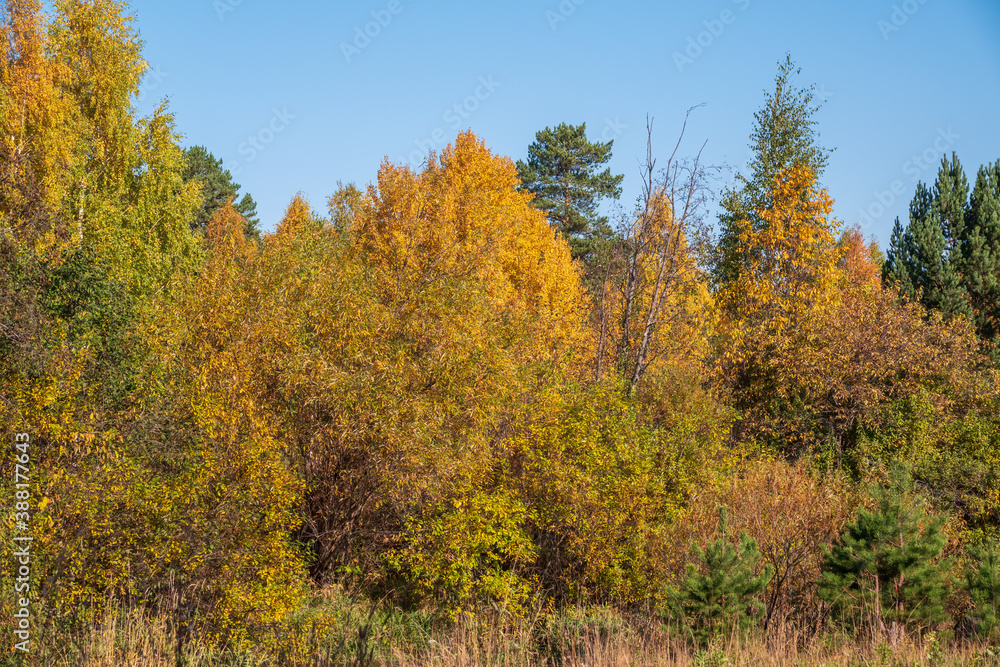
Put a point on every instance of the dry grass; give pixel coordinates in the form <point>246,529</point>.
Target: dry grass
<point>117,639</point>
<point>461,647</point>
<point>573,639</point>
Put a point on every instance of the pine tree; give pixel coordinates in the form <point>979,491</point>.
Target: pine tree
<point>885,564</point>
<point>983,581</point>
<point>720,595</point>
<point>217,188</point>
<point>561,172</point>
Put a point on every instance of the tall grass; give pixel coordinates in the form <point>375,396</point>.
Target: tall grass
<point>576,637</point>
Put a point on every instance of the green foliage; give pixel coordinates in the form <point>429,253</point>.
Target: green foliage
<point>469,549</point>
<point>886,565</point>
<point>98,313</point>
<point>954,457</point>
<point>895,269</point>
<point>599,483</point>
<point>981,252</point>
<point>561,172</point>
<point>946,255</point>
<point>217,188</point>
<point>926,256</point>
<point>982,577</point>
<point>719,593</point>
<point>128,201</point>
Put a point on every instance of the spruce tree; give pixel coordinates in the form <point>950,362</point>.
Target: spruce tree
<point>951,197</point>
<point>981,252</point>
<point>720,595</point>
<point>948,255</point>
<point>885,564</point>
<point>895,270</point>
<point>948,212</point>
<point>561,172</point>
<point>933,256</point>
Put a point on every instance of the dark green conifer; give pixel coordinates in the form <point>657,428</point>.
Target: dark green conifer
<point>217,188</point>
<point>944,257</point>
<point>982,577</point>
<point>896,271</point>
<point>981,252</point>
<point>561,172</point>
<point>886,563</point>
<point>719,595</point>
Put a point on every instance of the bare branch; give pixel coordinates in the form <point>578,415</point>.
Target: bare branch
<point>653,266</point>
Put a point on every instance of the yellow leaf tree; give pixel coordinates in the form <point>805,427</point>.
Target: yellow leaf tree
<point>79,168</point>
<point>653,308</point>
<point>785,276</point>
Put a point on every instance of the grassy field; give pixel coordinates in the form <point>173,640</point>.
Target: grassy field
<point>573,637</point>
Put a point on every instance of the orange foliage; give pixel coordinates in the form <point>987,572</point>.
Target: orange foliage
<point>857,264</point>
<point>871,349</point>
<point>813,346</point>
<point>462,217</point>
<point>790,511</point>
<point>787,276</point>
<point>654,308</point>
<point>788,262</point>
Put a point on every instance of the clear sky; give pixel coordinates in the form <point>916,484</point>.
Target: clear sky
<point>294,96</point>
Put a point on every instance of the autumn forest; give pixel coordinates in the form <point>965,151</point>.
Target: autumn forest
<point>465,413</point>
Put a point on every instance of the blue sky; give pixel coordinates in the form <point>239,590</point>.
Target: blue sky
<point>294,96</point>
